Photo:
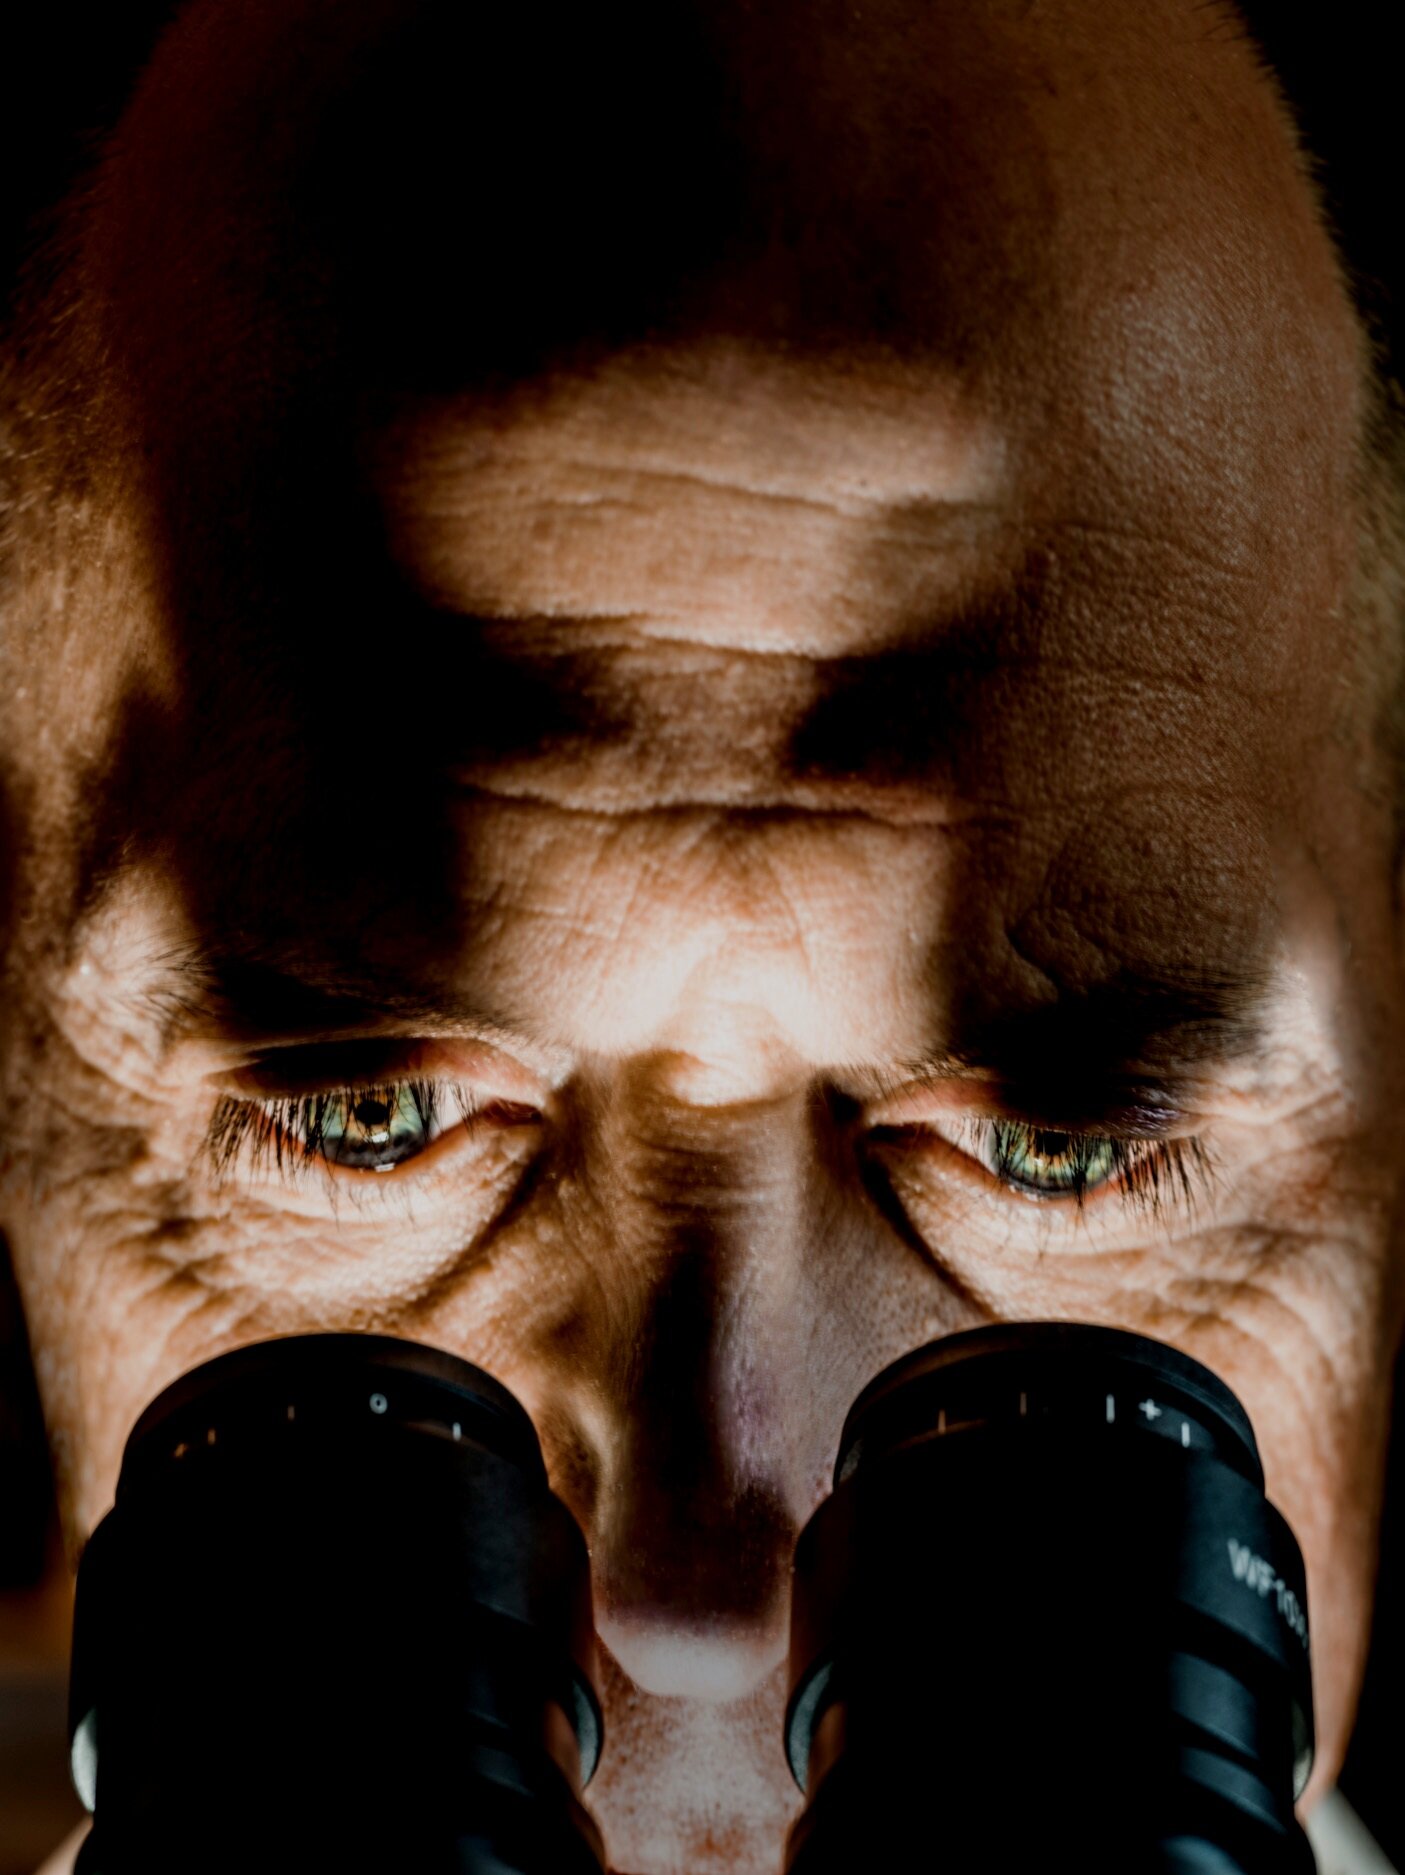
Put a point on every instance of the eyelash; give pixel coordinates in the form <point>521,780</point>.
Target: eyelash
<point>1145,1173</point>
<point>289,1132</point>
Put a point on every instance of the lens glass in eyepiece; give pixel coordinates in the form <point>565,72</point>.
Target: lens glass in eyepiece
<point>336,1619</point>
<point>1048,1613</point>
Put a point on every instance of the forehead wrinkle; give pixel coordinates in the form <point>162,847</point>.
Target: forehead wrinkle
<point>662,721</point>
<point>890,810</point>
<point>874,427</point>
<point>1101,562</point>
<point>519,547</point>
<point>956,511</point>
<point>441,482</point>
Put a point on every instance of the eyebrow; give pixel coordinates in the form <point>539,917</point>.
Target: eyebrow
<point>1116,1052</point>
<point>283,998</point>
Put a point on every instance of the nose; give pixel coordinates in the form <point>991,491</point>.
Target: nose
<point>694,1531</point>
<point>704,1483</point>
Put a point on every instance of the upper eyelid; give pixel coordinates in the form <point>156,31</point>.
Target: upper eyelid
<point>235,1051</point>
<point>343,1068</point>
<point>267,1083</point>
<point>1150,1117</point>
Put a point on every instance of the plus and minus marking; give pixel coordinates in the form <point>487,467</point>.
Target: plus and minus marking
<point>1153,1411</point>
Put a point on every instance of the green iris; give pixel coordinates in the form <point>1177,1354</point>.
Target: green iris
<point>374,1129</point>
<point>1051,1164</point>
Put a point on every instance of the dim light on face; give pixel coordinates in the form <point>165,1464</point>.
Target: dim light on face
<point>683,865</point>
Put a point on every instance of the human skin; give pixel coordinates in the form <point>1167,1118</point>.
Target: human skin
<point>750,707</point>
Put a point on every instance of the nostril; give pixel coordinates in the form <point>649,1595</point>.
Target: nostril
<point>717,1659</point>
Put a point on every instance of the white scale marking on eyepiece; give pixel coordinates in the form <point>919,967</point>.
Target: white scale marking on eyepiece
<point>1111,1409</point>
<point>941,1420</point>
<point>1024,1404</point>
<point>1185,1432</point>
<point>1151,1409</point>
<point>378,1402</point>
<point>458,1430</point>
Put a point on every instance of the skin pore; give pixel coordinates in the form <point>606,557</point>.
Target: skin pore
<point>710,673</point>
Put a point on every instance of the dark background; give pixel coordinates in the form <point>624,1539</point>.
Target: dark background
<point>65,69</point>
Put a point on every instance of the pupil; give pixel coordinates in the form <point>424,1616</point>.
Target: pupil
<point>1051,1145</point>
<point>371,1113</point>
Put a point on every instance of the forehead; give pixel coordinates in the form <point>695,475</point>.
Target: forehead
<point>711,581</point>
<point>819,511</point>
<point>713,576</point>
<point>706,656</point>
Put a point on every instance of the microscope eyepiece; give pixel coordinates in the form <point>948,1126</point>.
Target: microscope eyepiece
<point>1048,1610</point>
<point>335,1618</point>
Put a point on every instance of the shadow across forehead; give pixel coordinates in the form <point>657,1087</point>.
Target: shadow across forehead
<point>336,874</point>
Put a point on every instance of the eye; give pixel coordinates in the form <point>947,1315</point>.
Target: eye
<point>1046,1164</point>
<point>374,1127</point>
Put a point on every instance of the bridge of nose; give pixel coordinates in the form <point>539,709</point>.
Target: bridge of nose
<point>703,1478</point>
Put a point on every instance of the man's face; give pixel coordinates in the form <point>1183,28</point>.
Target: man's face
<point>689,870</point>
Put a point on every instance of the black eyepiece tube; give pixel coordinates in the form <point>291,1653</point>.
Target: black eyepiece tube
<point>336,1620</point>
<point>1048,1617</point>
